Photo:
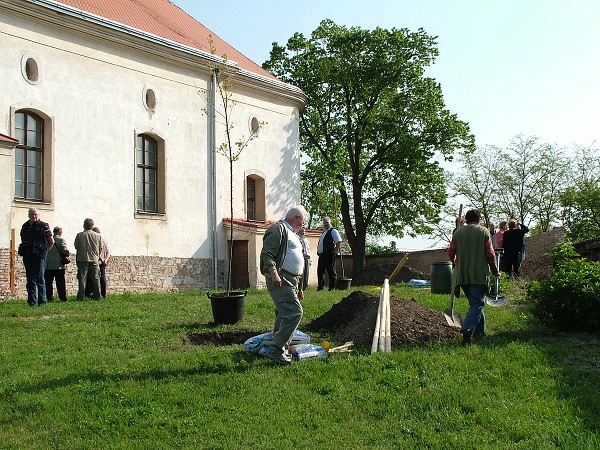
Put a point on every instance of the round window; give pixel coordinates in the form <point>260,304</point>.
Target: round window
<point>149,99</point>
<point>30,69</point>
<point>254,125</point>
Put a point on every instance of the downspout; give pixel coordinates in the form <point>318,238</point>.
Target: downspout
<point>213,175</point>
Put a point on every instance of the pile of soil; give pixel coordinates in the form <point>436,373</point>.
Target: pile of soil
<point>354,318</point>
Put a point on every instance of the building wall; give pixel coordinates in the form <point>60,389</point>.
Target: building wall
<point>92,93</point>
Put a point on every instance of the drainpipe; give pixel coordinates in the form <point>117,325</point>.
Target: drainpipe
<point>213,174</point>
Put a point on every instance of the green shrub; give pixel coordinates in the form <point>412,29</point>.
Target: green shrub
<point>570,300</point>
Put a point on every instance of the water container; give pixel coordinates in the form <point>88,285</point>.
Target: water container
<point>441,277</point>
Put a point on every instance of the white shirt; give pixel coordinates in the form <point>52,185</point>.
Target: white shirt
<point>334,235</point>
<point>293,262</point>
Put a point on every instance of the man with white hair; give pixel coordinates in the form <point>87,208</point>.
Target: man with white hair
<point>282,264</point>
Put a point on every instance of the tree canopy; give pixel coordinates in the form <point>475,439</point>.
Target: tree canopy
<point>372,128</point>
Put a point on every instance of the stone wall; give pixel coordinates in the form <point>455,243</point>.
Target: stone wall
<point>126,274</point>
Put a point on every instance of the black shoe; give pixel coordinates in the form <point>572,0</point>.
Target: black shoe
<point>466,337</point>
<point>320,288</point>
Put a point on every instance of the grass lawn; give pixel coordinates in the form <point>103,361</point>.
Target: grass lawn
<point>120,374</point>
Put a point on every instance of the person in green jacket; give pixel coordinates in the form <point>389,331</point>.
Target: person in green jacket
<point>282,264</point>
<point>472,255</point>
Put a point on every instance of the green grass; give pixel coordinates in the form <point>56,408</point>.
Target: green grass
<point>120,374</point>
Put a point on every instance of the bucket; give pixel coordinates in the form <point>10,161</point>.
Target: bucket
<point>227,309</point>
<point>441,277</point>
<point>343,284</point>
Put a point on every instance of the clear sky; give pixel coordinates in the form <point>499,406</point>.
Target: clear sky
<point>505,66</point>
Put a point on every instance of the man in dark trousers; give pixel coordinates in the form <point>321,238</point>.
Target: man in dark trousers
<point>513,246</point>
<point>329,245</point>
<point>473,258</point>
<point>36,239</point>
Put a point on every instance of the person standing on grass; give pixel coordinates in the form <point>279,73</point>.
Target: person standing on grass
<point>472,256</point>
<point>36,239</point>
<point>87,245</point>
<point>282,264</point>
<point>329,244</point>
<point>514,239</point>
<point>102,262</point>
<point>55,269</point>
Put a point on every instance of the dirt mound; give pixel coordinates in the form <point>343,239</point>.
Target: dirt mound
<point>354,317</point>
<point>374,276</point>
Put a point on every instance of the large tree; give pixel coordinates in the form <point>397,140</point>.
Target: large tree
<point>373,125</point>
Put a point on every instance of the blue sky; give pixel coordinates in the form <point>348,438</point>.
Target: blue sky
<point>505,66</point>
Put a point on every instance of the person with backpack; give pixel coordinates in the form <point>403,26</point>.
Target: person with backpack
<point>36,239</point>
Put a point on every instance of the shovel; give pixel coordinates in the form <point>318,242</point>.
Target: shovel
<point>452,316</point>
<point>495,300</point>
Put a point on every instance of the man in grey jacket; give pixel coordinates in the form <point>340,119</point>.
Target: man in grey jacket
<point>282,264</point>
<point>87,246</point>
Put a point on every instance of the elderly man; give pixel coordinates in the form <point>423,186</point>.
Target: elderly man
<point>472,257</point>
<point>87,245</point>
<point>329,244</point>
<point>36,239</point>
<point>282,264</point>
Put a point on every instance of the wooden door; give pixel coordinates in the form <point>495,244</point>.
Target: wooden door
<point>239,269</point>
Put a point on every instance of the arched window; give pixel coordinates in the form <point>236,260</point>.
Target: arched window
<point>146,176</point>
<point>255,197</point>
<point>29,156</point>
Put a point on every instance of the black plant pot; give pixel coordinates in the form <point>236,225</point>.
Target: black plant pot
<point>227,308</point>
<point>343,284</point>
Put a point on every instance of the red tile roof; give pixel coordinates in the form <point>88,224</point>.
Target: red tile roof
<point>5,138</point>
<point>166,20</point>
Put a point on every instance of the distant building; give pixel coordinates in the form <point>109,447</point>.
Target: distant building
<point>103,117</point>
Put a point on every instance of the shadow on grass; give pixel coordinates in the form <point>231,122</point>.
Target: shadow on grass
<point>576,356</point>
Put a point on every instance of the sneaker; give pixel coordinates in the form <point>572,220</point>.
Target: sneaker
<point>277,356</point>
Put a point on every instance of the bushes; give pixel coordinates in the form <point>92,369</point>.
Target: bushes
<point>570,300</point>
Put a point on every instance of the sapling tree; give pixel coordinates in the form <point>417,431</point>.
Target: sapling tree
<point>231,147</point>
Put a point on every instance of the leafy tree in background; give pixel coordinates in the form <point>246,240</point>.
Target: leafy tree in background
<point>372,127</point>
<point>581,200</point>
<point>581,211</point>
<point>524,181</point>
<point>477,182</point>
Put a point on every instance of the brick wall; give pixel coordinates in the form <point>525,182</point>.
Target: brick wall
<point>126,274</point>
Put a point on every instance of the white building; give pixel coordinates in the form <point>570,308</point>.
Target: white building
<point>104,114</point>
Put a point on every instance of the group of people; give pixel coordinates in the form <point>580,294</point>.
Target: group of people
<point>44,254</point>
<point>509,241</point>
